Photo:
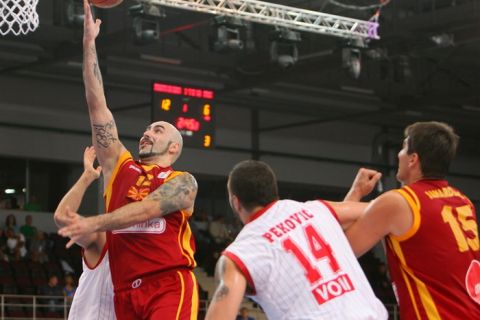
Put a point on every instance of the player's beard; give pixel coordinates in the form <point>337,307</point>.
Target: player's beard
<point>150,153</point>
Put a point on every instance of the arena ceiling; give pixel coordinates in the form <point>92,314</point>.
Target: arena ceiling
<point>424,67</point>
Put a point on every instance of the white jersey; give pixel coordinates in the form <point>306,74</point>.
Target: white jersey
<point>299,264</point>
<point>94,296</point>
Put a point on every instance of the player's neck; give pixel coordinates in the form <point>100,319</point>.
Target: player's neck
<point>159,161</point>
<point>413,177</point>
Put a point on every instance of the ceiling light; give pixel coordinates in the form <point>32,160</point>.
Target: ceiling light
<point>229,34</point>
<point>283,47</point>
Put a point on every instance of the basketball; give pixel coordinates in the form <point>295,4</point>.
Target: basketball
<point>106,3</point>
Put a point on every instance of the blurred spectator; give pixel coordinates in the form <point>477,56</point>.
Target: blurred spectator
<point>11,222</point>
<point>382,285</point>
<point>3,256</point>
<point>244,315</point>
<point>3,240</point>
<point>38,248</point>
<point>15,243</point>
<point>200,219</point>
<point>52,288</point>
<point>10,203</point>
<point>32,204</point>
<point>203,239</point>
<point>219,231</point>
<point>69,288</point>
<point>28,230</point>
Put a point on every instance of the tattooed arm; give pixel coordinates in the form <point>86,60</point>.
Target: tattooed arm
<point>231,286</point>
<point>104,131</point>
<point>176,194</point>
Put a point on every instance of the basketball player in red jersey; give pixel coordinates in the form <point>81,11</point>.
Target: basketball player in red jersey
<point>151,248</point>
<point>430,228</point>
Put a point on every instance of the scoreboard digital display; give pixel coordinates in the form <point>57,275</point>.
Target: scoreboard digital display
<point>191,110</point>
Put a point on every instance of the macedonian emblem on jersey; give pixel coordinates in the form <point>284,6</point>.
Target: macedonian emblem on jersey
<point>141,189</point>
<point>472,280</point>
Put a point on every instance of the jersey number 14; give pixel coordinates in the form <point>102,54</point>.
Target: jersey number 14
<point>319,248</point>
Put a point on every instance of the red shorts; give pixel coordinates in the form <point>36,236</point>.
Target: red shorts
<point>171,295</point>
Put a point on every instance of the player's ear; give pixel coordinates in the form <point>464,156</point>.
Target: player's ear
<point>414,159</point>
<point>236,203</point>
<point>174,147</point>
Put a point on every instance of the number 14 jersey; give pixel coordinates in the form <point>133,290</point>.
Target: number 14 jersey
<point>299,265</point>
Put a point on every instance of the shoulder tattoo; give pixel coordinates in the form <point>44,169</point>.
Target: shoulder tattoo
<point>176,194</point>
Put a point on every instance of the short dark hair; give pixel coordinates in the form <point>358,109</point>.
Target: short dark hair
<point>253,183</point>
<point>436,145</point>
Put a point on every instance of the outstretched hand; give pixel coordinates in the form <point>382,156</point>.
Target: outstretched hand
<point>76,226</point>
<point>91,29</point>
<point>89,157</point>
<point>363,184</point>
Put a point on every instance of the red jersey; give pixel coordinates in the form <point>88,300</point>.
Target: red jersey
<point>429,263</point>
<point>150,247</point>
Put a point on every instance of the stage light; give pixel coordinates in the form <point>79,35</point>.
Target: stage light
<point>352,57</point>
<point>145,23</point>
<point>283,47</point>
<point>352,61</point>
<point>228,34</point>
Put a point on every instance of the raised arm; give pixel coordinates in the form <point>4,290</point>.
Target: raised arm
<point>176,194</point>
<point>230,290</point>
<point>72,199</point>
<point>104,131</point>
<point>364,182</point>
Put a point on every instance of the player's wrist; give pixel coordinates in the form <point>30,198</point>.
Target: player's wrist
<point>88,176</point>
<point>354,194</point>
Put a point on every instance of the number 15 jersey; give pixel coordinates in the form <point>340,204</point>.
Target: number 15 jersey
<point>429,264</point>
<point>299,265</point>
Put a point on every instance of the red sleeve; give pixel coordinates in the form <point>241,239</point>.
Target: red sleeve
<point>331,209</point>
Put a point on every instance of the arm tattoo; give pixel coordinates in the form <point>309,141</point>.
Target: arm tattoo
<point>176,194</point>
<point>222,290</point>
<point>104,134</point>
<point>96,67</point>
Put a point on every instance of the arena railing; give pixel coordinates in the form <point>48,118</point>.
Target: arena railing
<point>16,307</point>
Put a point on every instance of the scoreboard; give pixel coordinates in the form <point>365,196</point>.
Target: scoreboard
<point>191,110</point>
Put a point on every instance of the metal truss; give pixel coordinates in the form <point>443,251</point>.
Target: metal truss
<point>279,15</point>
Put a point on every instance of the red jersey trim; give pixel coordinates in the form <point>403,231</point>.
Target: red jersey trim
<point>195,298</point>
<point>182,294</point>
<point>184,237</point>
<point>108,190</point>
<point>261,211</point>
<point>420,296</point>
<point>102,255</point>
<point>332,211</point>
<point>241,266</point>
<point>409,195</point>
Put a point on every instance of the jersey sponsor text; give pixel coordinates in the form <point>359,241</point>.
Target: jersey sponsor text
<point>332,289</point>
<point>156,225</point>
